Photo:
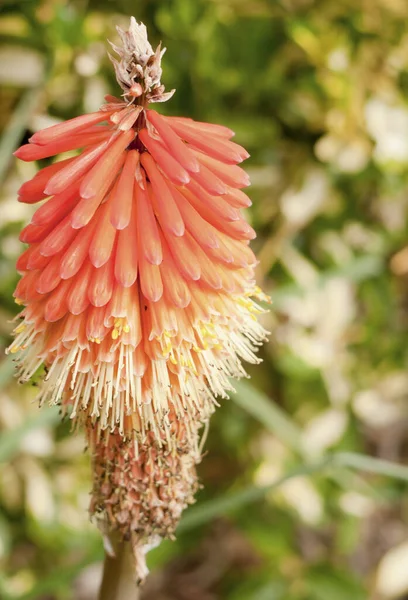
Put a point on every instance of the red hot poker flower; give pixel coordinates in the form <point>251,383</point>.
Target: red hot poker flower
<point>138,280</point>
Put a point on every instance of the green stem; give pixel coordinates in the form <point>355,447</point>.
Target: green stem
<point>119,576</point>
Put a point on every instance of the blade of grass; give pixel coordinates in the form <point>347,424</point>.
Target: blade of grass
<point>206,511</point>
<point>369,464</point>
<point>272,417</point>
<point>202,513</point>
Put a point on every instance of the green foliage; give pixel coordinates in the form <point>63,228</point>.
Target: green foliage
<point>304,496</point>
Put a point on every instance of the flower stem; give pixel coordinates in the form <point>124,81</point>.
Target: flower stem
<point>119,576</point>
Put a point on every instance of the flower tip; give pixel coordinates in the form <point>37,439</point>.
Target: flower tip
<point>178,229</point>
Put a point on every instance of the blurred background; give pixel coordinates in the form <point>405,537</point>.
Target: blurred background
<point>317,92</point>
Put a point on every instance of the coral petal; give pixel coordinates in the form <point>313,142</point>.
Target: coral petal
<point>32,191</point>
<point>122,196</point>
<point>148,230</point>
<point>231,175</point>
<point>209,128</point>
<point>169,165</point>
<point>77,252</point>
<point>175,287</point>
<point>22,261</point>
<point>221,149</point>
<point>62,130</point>
<point>209,181</point>
<point>35,233</point>
<point>202,232</point>
<point>150,279</point>
<point>56,306</point>
<point>77,299</point>
<point>183,257</point>
<point>101,285</point>
<point>50,277</point>
<point>104,237</point>
<point>30,152</point>
<point>94,181</point>
<point>164,204</point>
<point>126,262</point>
<point>177,148</point>
<point>86,208</point>
<point>56,208</point>
<point>237,198</point>
<point>75,169</point>
<point>211,208</point>
<point>36,260</point>
<point>59,238</point>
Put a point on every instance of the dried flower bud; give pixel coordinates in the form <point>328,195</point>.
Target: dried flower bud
<point>139,65</point>
<point>141,492</point>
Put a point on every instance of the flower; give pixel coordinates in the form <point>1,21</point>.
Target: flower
<point>138,282</point>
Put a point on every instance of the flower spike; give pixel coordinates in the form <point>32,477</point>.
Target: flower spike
<point>137,291</point>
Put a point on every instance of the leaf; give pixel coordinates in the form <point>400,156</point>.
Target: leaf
<point>207,511</point>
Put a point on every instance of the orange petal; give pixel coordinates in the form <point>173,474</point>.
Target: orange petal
<point>56,208</point>
<point>34,233</point>
<point>175,287</point>
<point>50,277</point>
<point>163,202</point>
<point>77,252</point>
<point>30,152</point>
<point>177,148</point>
<point>33,190</point>
<point>94,181</point>
<point>211,208</point>
<point>72,126</point>
<point>169,165</point>
<point>230,174</point>
<point>209,128</point>
<point>148,230</point>
<point>56,306</point>
<point>101,284</point>
<point>209,271</point>
<point>75,169</point>
<point>150,279</point>
<point>126,261</point>
<point>103,238</point>
<point>77,299</point>
<point>59,238</point>
<point>183,257</point>
<point>95,328</point>
<point>122,196</point>
<point>219,148</point>
<point>25,289</point>
<point>209,182</point>
<point>204,233</point>
<point>86,208</point>
<point>237,198</point>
